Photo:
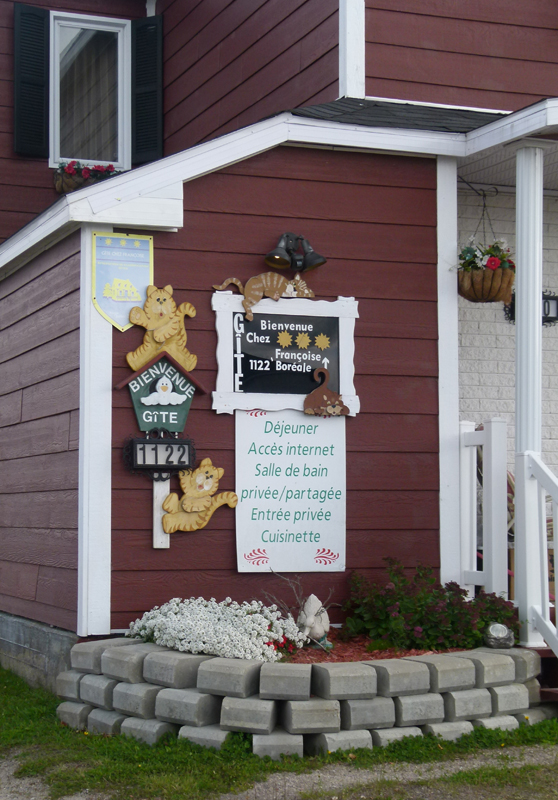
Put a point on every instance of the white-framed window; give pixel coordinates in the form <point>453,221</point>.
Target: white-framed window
<point>90,96</point>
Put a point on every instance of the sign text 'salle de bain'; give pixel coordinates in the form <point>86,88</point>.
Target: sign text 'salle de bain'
<point>290,474</point>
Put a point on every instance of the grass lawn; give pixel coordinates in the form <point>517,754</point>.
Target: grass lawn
<point>71,761</point>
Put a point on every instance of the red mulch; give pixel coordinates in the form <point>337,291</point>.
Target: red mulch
<point>352,650</point>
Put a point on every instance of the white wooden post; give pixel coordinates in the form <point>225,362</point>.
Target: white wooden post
<point>468,507</point>
<point>451,566</point>
<point>161,540</point>
<point>528,387</point>
<point>495,507</point>
<point>352,71</point>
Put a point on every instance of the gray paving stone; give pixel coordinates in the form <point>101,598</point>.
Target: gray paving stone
<point>534,689</point>
<point>448,674</point>
<point>503,723</point>
<point>527,662</point>
<point>311,716</point>
<point>450,731</point>
<point>344,681</point>
<point>285,681</point>
<point>97,691</point>
<point>74,715</point>
<point>171,669</point>
<point>397,676</point>
<point>317,743</point>
<point>107,722</point>
<point>418,709</point>
<point>356,715</point>
<point>146,730</point>
<point>510,699</point>
<point>126,663</point>
<point>492,669</point>
<point>384,737</point>
<point>86,656</point>
<point>234,677</point>
<point>188,707</point>
<point>250,714</point>
<point>278,743</point>
<point>550,709</point>
<point>468,704</point>
<point>67,684</point>
<point>135,699</point>
<point>531,716</point>
<point>210,736</point>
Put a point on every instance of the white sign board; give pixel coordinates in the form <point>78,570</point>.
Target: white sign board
<point>291,487</point>
<point>286,338</point>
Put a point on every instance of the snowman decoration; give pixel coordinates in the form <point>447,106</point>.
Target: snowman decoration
<point>164,394</point>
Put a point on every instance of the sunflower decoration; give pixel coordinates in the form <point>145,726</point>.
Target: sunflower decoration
<point>322,341</point>
<point>284,338</point>
<point>302,341</point>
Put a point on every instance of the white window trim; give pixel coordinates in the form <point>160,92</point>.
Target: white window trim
<point>123,28</point>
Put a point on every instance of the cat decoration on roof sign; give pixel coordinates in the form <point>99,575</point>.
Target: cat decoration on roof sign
<point>322,402</point>
<point>268,284</point>
<point>164,329</point>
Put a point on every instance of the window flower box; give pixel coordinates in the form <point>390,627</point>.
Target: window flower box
<point>72,175</point>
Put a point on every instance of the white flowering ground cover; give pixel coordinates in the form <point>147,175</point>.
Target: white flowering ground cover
<point>227,629</point>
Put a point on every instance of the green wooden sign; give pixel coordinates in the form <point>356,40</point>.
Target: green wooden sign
<point>162,396</point>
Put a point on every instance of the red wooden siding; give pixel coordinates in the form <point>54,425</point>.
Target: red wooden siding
<point>500,54</point>
<point>26,184</point>
<point>374,218</point>
<point>229,64</point>
<point>39,400</point>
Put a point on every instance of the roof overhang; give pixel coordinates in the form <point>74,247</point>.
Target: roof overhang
<point>151,197</point>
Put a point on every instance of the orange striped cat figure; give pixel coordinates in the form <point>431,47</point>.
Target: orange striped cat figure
<point>268,284</point>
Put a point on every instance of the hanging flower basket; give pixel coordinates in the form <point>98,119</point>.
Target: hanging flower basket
<point>486,274</point>
<point>71,176</point>
<point>486,285</point>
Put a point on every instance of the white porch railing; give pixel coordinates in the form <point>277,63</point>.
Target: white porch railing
<point>493,440</point>
<point>532,580</point>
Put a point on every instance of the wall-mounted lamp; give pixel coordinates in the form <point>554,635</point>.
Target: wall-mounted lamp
<point>549,309</point>
<point>284,255</point>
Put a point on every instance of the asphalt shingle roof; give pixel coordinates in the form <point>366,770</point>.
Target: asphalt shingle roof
<point>378,114</point>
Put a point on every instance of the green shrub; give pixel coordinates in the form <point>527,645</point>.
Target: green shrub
<point>420,613</point>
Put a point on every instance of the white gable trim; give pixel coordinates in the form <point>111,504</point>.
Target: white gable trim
<point>151,196</point>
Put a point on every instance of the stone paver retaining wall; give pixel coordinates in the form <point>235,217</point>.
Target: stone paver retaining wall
<point>146,691</point>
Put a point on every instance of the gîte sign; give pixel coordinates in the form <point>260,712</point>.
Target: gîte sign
<point>290,482</point>
<point>268,362</point>
<point>162,394</point>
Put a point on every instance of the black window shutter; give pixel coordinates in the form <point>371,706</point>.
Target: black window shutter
<point>147,89</point>
<point>31,89</point>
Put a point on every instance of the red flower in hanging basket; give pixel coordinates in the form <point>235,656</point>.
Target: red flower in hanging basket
<point>486,273</point>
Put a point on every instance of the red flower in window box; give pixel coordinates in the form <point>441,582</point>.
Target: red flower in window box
<point>72,175</point>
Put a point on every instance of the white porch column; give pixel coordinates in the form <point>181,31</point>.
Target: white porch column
<point>451,566</point>
<point>528,391</point>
